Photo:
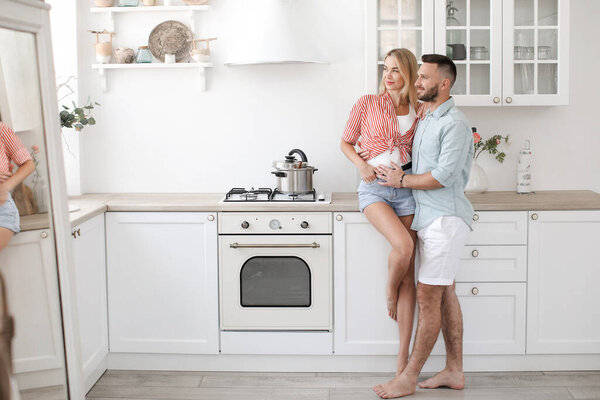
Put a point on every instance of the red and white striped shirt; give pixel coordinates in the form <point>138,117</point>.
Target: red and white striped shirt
<point>373,120</point>
<point>11,149</point>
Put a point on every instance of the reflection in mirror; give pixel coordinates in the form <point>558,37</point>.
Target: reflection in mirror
<point>27,259</point>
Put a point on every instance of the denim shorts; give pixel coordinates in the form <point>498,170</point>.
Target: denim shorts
<point>9,215</point>
<point>400,199</point>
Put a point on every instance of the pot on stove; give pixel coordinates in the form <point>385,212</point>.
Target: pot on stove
<point>294,176</point>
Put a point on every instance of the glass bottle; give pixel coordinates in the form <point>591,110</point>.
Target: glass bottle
<point>129,3</point>
<point>143,55</point>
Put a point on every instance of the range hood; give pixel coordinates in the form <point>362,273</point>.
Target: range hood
<point>272,32</point>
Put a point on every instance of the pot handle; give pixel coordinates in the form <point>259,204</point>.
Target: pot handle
<point>315,169</point>
<point>300,153</point>
<point>279,174</point>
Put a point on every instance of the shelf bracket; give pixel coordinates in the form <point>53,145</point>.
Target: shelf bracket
<point>202,72</point>
<point>102,75</point>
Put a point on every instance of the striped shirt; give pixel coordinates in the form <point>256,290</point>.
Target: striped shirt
<point>373,120</point>
<point>11,149</point>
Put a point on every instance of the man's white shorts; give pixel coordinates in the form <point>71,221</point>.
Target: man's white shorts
<point>440,247</point>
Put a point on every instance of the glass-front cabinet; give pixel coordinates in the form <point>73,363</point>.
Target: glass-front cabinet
<point>507,52</point>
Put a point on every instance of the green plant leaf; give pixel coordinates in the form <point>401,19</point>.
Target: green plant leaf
<point>91,121</point>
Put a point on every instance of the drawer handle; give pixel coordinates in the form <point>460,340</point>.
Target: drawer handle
<point>475,253</point>
<point>475,217</point>
<point>475,291</point>
<point>339,217</point>
<point>210,218</point>
<point>509,100</point>
<point>496,100</point>
<point>534,216</point>
<point>43,235</point>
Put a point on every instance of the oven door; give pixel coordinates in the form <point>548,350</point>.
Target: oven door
<point>275,282</point>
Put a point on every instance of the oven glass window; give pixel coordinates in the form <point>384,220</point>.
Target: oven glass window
<point>275,282</point>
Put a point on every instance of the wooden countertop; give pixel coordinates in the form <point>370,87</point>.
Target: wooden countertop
<point>91,205</point>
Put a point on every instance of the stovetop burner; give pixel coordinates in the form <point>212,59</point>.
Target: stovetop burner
<point>269,195</point>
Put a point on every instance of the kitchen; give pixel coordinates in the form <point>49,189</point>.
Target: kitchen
<point>238,121</point>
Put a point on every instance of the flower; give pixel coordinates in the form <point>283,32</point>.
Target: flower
<point>490,145</point>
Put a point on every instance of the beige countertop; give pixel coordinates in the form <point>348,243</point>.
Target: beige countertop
<point>91,205</point>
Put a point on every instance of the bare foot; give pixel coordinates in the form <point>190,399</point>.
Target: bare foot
<point>392,302</point>
<point>447,378</point>
<point>400,386</point>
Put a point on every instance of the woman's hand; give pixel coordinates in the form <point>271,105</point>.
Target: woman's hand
<point>367,173</point>
<point>364,153</point>
<point>4,176</point>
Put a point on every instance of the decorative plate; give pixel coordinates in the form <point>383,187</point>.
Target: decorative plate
<point>170,37</point>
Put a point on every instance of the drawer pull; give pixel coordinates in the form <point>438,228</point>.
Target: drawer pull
<point>339,217</point>
<point>44,235</point>
<point>496,100</point>
<point>475,217</point>
<point>509,100</point>
<point>475,253</point>
<point>534,216</point>
<point>475,291</point>
<point>210,218</point>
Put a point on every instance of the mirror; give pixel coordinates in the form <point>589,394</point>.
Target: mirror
<point>29,263</point>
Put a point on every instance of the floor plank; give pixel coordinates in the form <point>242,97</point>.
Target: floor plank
<point>590,392</point>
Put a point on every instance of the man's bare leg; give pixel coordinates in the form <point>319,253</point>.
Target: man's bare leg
<point>452,328</point>
<point>429,298</point>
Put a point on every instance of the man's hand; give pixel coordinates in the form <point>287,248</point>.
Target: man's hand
<point>4,176</point>
<point>391,176</point>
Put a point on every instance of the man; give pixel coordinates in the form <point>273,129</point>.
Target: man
<point>441,158</point>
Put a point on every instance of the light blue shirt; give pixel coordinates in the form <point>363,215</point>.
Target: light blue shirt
<point>443,144</point>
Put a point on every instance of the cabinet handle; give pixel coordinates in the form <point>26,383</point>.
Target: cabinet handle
<point>534,216</point>
<point>79,232</point>
<point>44,235</point>
<point>74,234</point>
<point>210,218</point>
<point>496,100</point>
<point>245,225</point>
<point>475,291</point>
<point>475,217</point>
<point>475,253</point>
<point>509,100</point>
<point>339,217</point>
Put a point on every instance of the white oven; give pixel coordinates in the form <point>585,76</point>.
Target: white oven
<point>275,271</point>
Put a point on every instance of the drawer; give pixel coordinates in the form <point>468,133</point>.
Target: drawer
<point>493,264</point>
<point>493,318</point>
<point>499,227</point>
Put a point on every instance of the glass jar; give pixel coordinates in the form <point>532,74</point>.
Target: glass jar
<point>544,52</point>
<point>143,55</point>
<point>479,53</point>
<point>129,3</point>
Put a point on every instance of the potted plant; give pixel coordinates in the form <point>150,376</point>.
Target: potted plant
<point>478,182</point>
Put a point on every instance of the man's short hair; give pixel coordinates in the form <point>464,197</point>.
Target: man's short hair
<point>444,64</point>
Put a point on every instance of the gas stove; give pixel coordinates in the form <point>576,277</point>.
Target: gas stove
<point>243,195</point>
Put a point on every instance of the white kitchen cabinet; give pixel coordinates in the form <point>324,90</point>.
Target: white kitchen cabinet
<point>514,52</point>
<point>90,276</point>
<point>29,268</point>
<point>493,306</point>
<point>162,282</point>
<point>563,312</point>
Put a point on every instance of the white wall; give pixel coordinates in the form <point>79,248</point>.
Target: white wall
<point>157,132</point>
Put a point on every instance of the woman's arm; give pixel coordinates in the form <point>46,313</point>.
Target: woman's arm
<point>19,176</point>
<point>367,172</point>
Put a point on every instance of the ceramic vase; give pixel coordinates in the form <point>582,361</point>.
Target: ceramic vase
<point>103,52</point>
<point>124,55</point>
<point>478,182</point>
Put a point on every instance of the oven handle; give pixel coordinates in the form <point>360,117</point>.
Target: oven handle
<point>236,245</point>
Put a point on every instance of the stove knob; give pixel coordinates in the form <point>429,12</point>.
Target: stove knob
<point>245,224</point>
<point>304,224</point>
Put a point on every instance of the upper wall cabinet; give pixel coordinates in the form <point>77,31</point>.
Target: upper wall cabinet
<point>507,52</point>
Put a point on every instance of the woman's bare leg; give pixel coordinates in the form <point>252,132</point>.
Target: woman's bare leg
<point>5,236</point>
<point>406,303</point>
<point>385,220</point>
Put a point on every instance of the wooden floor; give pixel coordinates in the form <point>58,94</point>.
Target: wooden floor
<point>162,385</point>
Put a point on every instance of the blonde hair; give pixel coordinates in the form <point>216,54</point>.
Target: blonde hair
<point>408,70</point>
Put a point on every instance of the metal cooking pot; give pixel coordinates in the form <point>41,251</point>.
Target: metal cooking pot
<point>294,177</point>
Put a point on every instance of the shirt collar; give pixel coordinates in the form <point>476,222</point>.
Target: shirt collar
<point>442,108</point>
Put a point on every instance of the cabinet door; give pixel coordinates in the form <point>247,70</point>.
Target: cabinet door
<point>536,52</point>
<point>563,274</point>
<point>392,24</point>
<point>90,274</point>
<point>29,268</point>
<point>162,282</point>
<point>493,318</point>
<point>361,322</point>
<point>470,32</point>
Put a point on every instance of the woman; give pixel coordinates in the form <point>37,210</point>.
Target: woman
<point>11,150</point>
<point>385,124</point>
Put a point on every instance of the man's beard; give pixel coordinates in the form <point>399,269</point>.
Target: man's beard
<point>429,95</point>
